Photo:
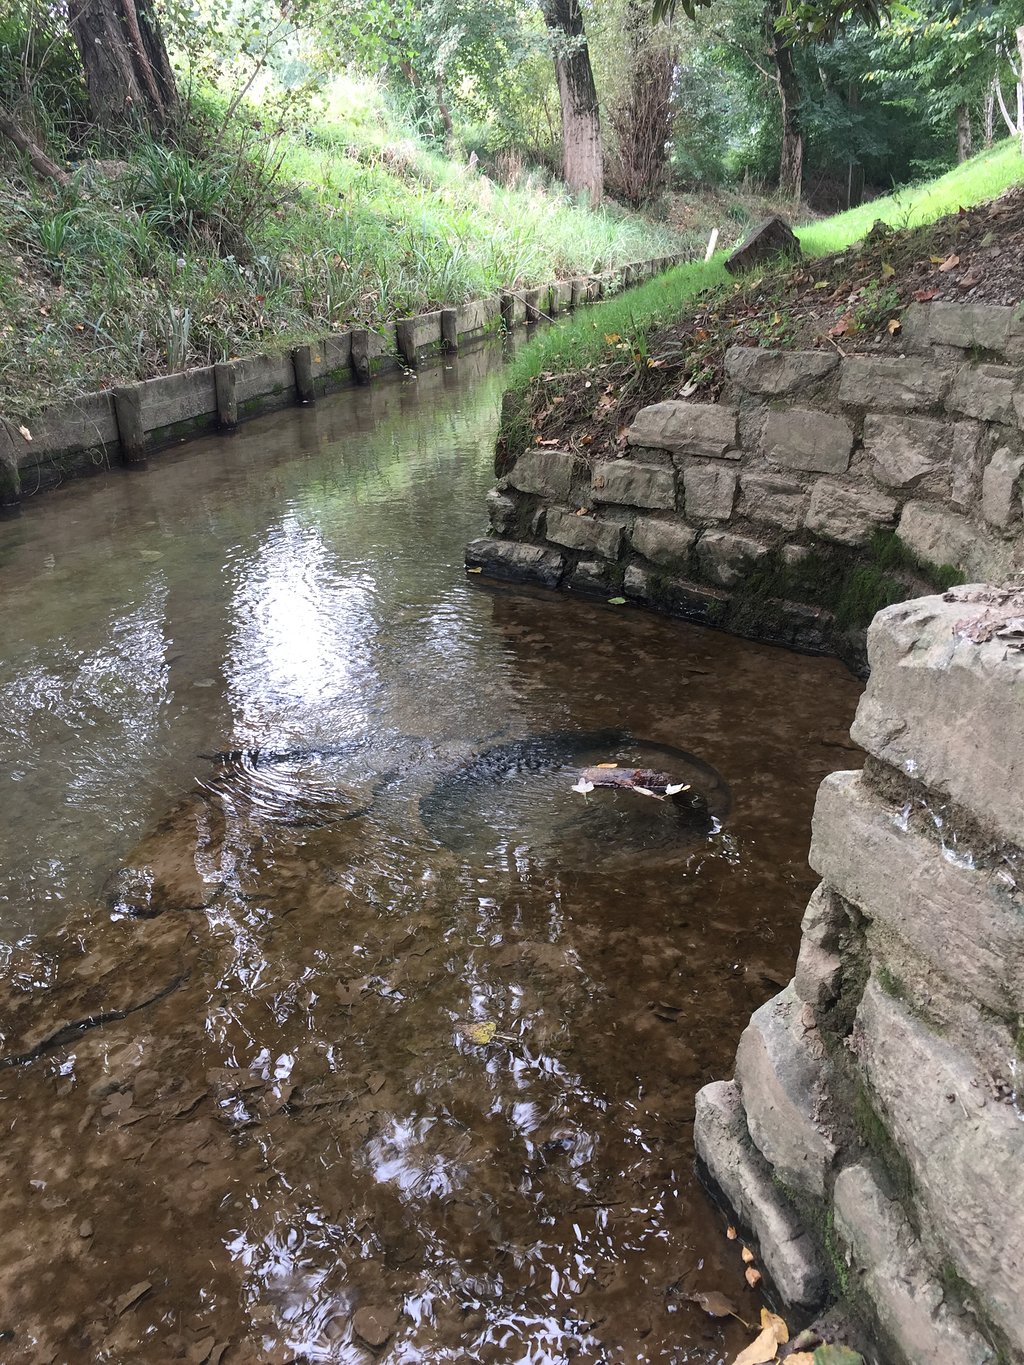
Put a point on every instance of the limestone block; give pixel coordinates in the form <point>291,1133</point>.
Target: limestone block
<point>966,463</point>
<point>964,1148</point>
<point>818,966</point>
<point>902,382</point>
<point>985,392</point>
<point>907,451</point>
<point>781,1073</point>
<point>511,559</point>
<point>1001,488</point>
<point>636,582</point>
<point>940,537</point>
<point>590,575</point>
<point>584,533</point>
<point>633,484</point>
<point>710,491</point>
<point>805,438</point>
<point>887,1264</point>
<point>741,1173</point>
<point>727,558</point>
<point>775,501</point>
<point>774,373</point>
<point>333,354</point>
<point>921,670</point>
<point>501,510</point>
<point>547,473</point>
<point>665,543</point>
<point>955,917</point>
<point>694,428</point>
<point>848,515</point>
<point>965,325</point>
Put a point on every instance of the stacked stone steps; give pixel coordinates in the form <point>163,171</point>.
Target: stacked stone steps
<point>877,1095</point>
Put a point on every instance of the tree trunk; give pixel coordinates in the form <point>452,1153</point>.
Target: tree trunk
<point>643,118</point>
<point>1020,88</point>
<point>583,166</point>
<point>444,111</point>
<point>41,163</point>
<point>127,72</point>
<point>791,162</point>
<point>990,113</point>
<point>963,132</point>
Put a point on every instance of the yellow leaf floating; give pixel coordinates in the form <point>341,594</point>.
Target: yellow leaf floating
<point>481,1034</point>
<point>777,1324</point>
<point>761,1351</point>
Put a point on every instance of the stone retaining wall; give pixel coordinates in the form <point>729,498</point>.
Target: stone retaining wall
<point>872,1139</point>
<point>759,511</point>
<point>124,425</point>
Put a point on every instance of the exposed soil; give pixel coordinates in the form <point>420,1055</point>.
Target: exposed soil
<point>851,301</point>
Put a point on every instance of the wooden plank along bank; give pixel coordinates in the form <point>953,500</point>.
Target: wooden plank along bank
<point>126,424</point>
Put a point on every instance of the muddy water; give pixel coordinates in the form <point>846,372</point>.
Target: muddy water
<point>367,1035</point>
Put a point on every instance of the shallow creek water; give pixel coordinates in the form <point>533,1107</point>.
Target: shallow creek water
<point>335,1024</point>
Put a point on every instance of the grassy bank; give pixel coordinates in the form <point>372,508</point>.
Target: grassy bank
<point>174,259</point>
<point>627,323</point>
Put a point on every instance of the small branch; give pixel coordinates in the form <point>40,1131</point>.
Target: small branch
<point>41,163</point>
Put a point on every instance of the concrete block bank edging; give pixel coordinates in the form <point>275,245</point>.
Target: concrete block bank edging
<point>126,424</point>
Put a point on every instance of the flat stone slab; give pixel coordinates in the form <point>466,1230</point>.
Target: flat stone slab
<point>921,669</point>
<point>757,369</point>
<point>908,452</point>
<point>727,558</point>
<point>960,921</point>
<point>634,485</point>
<point>546,473</point>
<point>964,1147</point>
<point>893,382</point>
<point>781,1073</point>
<point>887,1263</point>
<point>709,491</point>
<point>575,532</point>
<point>741,1173</point>
<point>847,514</point>
<point>691,428</point>
<point>806,438</point>
<point>665,543</point>
<point>510,559</point>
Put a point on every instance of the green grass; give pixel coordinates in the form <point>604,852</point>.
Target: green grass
<point>580,341</point>
<point>186,259</point>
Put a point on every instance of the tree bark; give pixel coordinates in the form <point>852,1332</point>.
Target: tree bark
<point>854,170</point>
<point>443,110</point>
<point>990,113</point>
<point>127,71</point>
<point>1020,87</point>
<point>583,165</point>
<point>41,163</point>
<point>963,133</point>
<point>791,161</point>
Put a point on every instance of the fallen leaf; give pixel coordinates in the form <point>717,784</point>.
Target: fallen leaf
<point>925,295</point>
<point>549,441</point>
<point>893,326</point>
<point>748,1256</point>
<point>611,338</point>
<point>714,1304</point>
<point>836,1355</point>
<point>800,1358</point>
<point>375,1082</point>
<point>482,1033</point>
<point>132,1296</point>
<point>821,284</point>
<point>752,1276</point>
<point>777,1324</point>
<point>607,765</point>
<point>759,1352</point>
<point>730,1232</point>
<point>842,327</point>
<point>887,270</point>
<point>474,570</point>
<point>617,601</point>
<point>26,433</point>
<point>950,263</point>
<point>936,260</point>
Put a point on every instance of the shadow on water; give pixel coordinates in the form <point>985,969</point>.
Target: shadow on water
<point>365,1034</point>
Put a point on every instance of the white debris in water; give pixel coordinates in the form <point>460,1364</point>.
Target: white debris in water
<point>583,786</point>
<point>902,820</point>
<point>910,767</point>
<point>965,859</point>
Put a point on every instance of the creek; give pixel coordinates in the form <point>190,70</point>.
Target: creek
<point>334,1020</point>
